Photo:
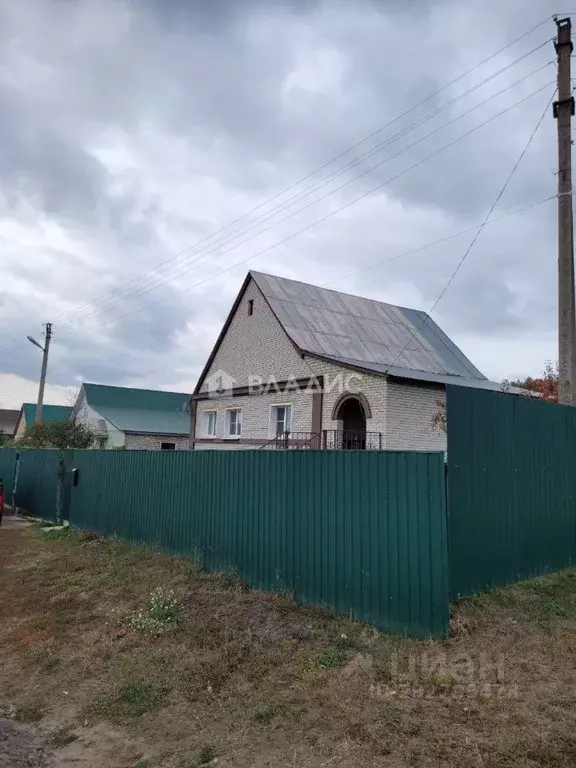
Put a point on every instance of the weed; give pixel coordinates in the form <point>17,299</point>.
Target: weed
<point>142,764</point>
<point>266,714</point>
<point>207,754</point>
<point>553,608</point>
<point>134,700</point>
<point>141,697</point>
<point>28,715</point>
<point>62,738</point>
<point>57,533</point>
<point>162,615</point>
<point>328,658</point>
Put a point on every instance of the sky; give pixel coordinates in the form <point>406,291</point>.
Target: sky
<point>153,151</point>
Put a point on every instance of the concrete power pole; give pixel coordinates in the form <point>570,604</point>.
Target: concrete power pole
<point>563,111</point>
<point>46,349</point>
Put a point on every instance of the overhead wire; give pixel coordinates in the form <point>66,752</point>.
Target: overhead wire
<point>330,162</point>
<point>476,235</point>
<point>330,214</point>
<point>347,183</point>
<point>155,276</point>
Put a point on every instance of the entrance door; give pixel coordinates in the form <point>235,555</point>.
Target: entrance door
<point>351,414</point>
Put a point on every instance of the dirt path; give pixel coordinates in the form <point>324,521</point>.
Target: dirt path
<point>22,747</point>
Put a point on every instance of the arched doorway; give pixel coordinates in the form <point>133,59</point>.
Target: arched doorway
<point>352,413</point>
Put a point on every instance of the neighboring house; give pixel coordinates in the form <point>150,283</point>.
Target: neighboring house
<point>349,372</point>
<point>27,416</point>
<point>123,417</point>
<point>8,421</point>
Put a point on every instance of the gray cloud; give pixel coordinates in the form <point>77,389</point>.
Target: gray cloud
<point>130,131</point>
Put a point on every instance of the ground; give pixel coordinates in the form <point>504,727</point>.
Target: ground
<point>226,676</point>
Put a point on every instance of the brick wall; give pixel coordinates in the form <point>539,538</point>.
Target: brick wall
<point>256,413</point>
<point>256,345</point>
<point>411,408</point>
<point>153,442</point>
<point>372,387</point>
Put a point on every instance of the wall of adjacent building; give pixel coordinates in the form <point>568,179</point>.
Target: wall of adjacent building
<point>142,442</point>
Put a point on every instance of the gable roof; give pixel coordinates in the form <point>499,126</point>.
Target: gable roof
<point>351,330</point>
<point>49,413</point>
<point>145,411</point>
<point>364,332</point>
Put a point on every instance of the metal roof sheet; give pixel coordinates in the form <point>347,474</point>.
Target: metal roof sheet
<point>364,332</point>
<point>49,413</point>
<point>140,410</point>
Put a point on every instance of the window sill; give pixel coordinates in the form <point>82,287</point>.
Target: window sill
<point>232,437</point>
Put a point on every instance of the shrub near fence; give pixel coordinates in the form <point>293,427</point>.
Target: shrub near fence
<point>360,532</point>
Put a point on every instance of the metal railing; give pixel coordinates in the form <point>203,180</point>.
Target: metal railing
<point>327,439</point>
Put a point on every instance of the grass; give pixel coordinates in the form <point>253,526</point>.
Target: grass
<point>244,678</point>
<point>62,737</point>
<point>27,714</point>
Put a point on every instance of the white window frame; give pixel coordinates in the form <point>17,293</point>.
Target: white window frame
<point>272,418</point>
<point>205,422</point>
<point>227,434</point>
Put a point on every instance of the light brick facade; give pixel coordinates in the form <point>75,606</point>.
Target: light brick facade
<point>154,442</point>
<point>256,345</point>
<point>411,409</point>
<point>256,413</point>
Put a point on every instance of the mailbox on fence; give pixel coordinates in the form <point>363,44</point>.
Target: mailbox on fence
<point>74,476</point>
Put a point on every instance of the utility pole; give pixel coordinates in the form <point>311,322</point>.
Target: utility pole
<point>45,350</point>
<point>563,111</point>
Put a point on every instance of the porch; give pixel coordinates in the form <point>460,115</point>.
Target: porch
<point>327,440</point>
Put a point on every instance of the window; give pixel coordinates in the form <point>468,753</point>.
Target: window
<point>251,306</point>
<point>167,446</point>
<point>281,419</point>
<point>209,423</point>
<point>234,423</point>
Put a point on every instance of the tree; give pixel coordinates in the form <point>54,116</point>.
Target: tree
<point>58,434</point>
<point>546,386</point>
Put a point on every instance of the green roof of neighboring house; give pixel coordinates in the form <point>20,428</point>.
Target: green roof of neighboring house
<point>49,413</point>
<point>140,410</point>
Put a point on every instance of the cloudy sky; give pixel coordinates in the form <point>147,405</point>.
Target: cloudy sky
<point>146,146</point>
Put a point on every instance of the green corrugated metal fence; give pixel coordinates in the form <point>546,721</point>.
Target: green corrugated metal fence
<point>37,482</point>
<point>7,469</point>
<point>360,532</point>
<point>511,488</point>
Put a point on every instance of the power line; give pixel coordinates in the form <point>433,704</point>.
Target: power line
<point>331,213</point>
<point>477,235</point>
<point>183,271</point>
<point>440,240</point>
<point>330,162</point>
<point>155,274</point>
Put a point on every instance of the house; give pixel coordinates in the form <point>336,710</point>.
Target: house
<point>300,366</point>
<point>123,417</point>
<point>8,421</point>
<point>27,416</point>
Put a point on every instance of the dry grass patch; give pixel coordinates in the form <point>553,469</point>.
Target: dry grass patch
<point>252,679</point>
